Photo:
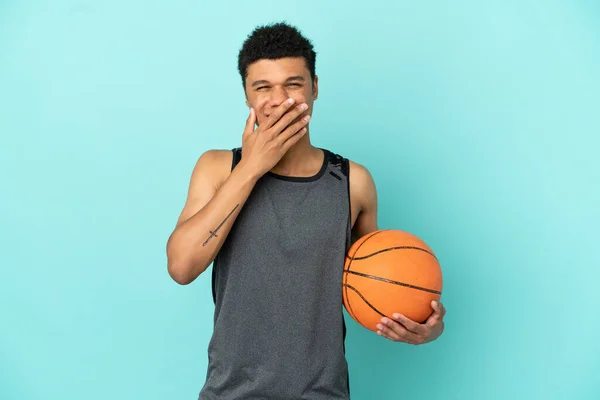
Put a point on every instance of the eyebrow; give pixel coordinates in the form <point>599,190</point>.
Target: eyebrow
<point>291,78</point>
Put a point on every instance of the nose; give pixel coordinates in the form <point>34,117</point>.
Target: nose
<point>278,96</point>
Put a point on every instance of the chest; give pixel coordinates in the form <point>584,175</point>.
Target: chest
<point>295,216</point>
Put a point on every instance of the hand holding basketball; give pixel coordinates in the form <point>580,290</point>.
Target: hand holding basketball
<point>403,329</point>
<point>392,284</point>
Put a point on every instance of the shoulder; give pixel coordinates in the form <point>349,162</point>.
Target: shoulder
<point>360,176</point>
<point>362,185</point>
<point>213,165</point>
<point>215,158</point>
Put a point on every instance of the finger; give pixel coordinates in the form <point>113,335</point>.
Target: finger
<point>388,333</point>
<point>391,328</point>
<point>278,113</point>
<point>287,119</point>
<point>299,117</point>
<point>250,122</point>
<point>410,325</point>
<point>293,129</point>
<point>402,337</point>
<point>438,306</point>
<point>438,310</point>
<point>438,314</point>
<point>293,140</point>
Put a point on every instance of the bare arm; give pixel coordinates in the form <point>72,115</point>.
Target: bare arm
<point>208,215</point>
<point>215,198</point>
<point>363,194</point>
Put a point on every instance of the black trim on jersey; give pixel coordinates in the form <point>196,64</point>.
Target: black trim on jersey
<point>214,279</point>
<point>326,158</point>
<point>237,157</point>
<point>343,167</point>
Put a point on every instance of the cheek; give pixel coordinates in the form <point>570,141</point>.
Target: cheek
<point>260,102</point>
<point>260,118</point>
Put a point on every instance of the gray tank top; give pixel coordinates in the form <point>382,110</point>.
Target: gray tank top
<point>279,330</point>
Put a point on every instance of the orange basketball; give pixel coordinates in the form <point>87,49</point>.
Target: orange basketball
<point>390,271</point>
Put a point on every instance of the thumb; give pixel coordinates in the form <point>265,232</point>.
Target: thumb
<point>438,313</point>
<point>250,122</point>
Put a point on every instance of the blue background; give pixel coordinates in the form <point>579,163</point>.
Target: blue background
<point>478,120</point>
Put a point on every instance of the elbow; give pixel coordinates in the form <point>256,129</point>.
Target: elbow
<point>179,273</point>
<point>183,267</point>
<point>177,267</point>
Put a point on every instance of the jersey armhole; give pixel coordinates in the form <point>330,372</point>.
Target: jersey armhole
<point>237,157</point>
<point>346,171</point>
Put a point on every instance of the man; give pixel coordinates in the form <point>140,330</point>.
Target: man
<point>277,217</point>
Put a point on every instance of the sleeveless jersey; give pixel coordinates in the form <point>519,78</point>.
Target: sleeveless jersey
<point>279,329</point>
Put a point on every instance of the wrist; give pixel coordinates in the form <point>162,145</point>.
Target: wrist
<point>247,173</point>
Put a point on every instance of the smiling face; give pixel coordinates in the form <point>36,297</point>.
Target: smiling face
<point>270,82</point>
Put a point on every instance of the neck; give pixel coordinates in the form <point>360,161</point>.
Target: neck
<point>302,159</point>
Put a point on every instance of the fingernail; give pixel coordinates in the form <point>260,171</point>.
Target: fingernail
<point>306,118</point>
<point>380,327</point>
<point>290,100</point>
<point>384,320</point>
<point>303,106</point>
<point>397,316</point>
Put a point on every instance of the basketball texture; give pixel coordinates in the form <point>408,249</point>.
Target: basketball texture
<point>390,271</point>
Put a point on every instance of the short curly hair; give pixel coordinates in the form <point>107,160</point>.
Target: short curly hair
<point>274,41</point>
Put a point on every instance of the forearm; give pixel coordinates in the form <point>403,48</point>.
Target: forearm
<point>195,243</point>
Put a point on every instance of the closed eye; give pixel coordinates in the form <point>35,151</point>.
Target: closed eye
<point>289,84</point>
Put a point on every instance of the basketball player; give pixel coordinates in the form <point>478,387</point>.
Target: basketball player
<point>277,216</point>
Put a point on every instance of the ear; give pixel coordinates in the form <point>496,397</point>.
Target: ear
<point>315,87</point>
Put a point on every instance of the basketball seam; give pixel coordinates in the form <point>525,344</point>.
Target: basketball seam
<point>390,249</point>
<point>367,303</point>
<point>385,280</point>
<point>348,270</point>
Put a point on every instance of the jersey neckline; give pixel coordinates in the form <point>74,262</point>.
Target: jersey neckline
<point>313,178</point>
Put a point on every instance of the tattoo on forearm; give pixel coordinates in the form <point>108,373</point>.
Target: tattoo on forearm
<point>214,233</point>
